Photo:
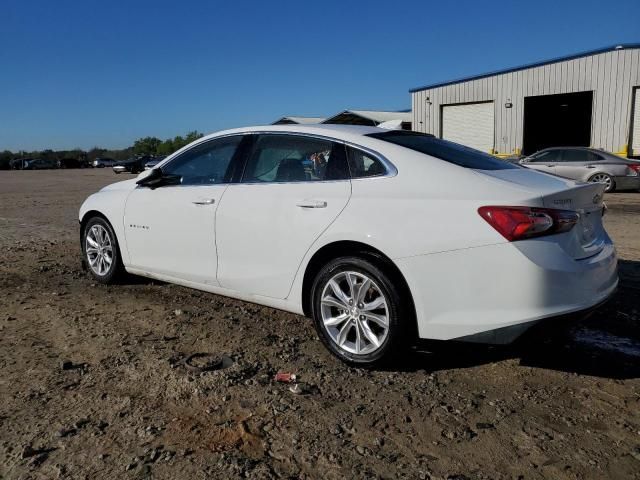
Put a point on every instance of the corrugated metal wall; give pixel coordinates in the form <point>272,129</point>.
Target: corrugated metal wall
<point>610,75</point>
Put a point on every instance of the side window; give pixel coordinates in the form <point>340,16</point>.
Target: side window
<point>292,158</point>
<point>575,156</point>
<point>363,165</point>
<point>205,164</point>
<point>593,157</point>
<point>549,156</point>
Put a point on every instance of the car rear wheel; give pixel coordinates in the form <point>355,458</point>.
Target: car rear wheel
<point>101,251</point>
<point>358,312</point>
<point>606,179</point>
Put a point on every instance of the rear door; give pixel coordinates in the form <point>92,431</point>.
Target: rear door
<point>578,164</point>
<point>293,187</point>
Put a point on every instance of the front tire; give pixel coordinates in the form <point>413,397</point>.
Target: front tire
<point>101,251</point>
<point>358,312</point>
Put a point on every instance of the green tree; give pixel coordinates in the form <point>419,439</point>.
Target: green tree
<point>5,159</point>
<point>146,146</point>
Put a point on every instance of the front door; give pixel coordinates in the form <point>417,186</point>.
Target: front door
<point>170,230</point>
<point>292,189</point>
<point>544,161</point>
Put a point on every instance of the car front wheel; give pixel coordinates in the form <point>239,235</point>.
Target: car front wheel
<point>358,312</point>
<point>101,251</point>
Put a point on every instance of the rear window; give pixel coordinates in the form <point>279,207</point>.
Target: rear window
<point>444,150</point>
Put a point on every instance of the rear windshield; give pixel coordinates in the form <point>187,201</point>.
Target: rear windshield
<point>444,150</point>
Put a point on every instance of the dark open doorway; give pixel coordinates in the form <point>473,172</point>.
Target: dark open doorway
<point>557,121</point>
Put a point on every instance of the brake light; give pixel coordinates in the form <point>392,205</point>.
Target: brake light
<point>519,223</point>
<point>635,169</point>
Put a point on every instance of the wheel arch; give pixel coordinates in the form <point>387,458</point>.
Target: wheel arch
<point>355,249</point>
<point>88,215</point>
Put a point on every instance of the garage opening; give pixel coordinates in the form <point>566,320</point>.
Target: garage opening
<point>557,121</point>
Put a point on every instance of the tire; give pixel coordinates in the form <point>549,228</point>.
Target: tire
<point>99,245</point>
<point>605,178</point>
<point>350,339</point>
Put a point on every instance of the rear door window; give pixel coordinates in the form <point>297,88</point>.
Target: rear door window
<point>576,156</point>
<point>295,158</point>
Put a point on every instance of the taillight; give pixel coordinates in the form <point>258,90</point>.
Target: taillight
<point>635,169</point>
<point>519,223</point>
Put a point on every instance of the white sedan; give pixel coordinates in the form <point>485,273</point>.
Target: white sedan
<point>382,237</point>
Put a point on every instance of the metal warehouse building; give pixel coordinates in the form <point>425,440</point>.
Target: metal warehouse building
<point>588,99</point>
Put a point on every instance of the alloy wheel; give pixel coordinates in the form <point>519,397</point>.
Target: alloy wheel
<point>354,312</point>
<point>602,178</point>
<point>99,249</point>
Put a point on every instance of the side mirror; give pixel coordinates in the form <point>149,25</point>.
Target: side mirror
<point>156,178</point>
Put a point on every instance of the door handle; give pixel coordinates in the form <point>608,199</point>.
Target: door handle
<point>590,166</point>
<point>208,201</point>
<point>311,204</point>
<point>549,165</point>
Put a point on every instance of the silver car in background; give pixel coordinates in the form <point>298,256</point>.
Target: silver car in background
<point>588,165</point>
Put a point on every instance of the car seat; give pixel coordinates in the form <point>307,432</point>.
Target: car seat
<point>291,170</point>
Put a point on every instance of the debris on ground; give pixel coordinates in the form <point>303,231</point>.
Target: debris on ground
<point>285,377</point>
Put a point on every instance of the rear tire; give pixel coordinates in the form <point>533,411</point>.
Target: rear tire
<point>101,251</point>
<point>364,328</point>
<point>606,179</point>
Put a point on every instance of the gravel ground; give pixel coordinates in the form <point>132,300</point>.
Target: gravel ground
<point>94,381</point>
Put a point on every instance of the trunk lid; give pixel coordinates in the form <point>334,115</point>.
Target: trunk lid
<point>588,237</point>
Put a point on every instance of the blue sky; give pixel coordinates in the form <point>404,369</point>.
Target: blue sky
<point>96,73</point>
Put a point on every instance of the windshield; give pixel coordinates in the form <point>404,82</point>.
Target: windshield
<point>444,150</point>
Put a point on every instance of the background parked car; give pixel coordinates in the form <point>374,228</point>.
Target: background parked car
<point>72,163</point>
<point>153,162</point>
<point>132,165</point>
<point>103,162</point>
<point>17,163</point>
<point>39,164</point>
<point>588,165</point>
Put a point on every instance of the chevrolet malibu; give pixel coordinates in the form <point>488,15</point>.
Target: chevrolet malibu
<point>382,237</point>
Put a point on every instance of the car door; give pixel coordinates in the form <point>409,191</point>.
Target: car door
<point>170,230</point>
<point>293,187</point>
<point>578,164</point>
<point>544,161</point>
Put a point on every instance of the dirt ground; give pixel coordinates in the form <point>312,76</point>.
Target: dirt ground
<point>94,383</point>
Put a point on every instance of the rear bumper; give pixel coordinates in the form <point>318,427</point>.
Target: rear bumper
<point>502,290</point>
<point>627,183</point>
<point>506,335</point>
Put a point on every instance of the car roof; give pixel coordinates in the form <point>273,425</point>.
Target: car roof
<point>343,132</point>
<point>607,155</point>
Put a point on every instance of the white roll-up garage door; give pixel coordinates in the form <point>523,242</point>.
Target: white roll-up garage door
<point>635,134</point>
<point>470,124</point>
